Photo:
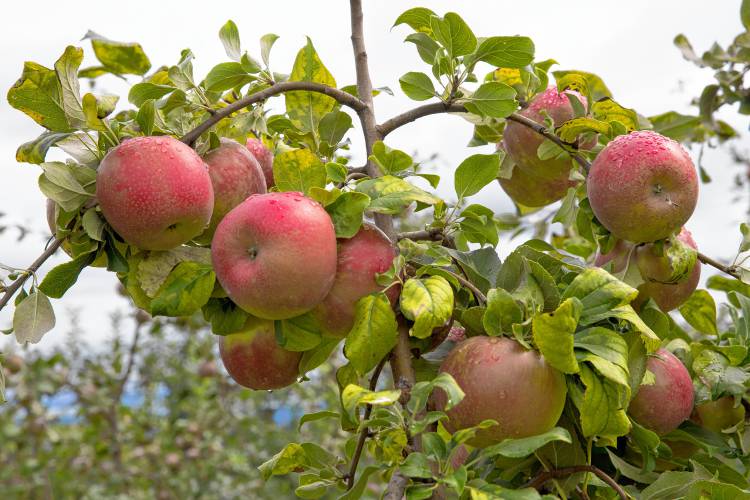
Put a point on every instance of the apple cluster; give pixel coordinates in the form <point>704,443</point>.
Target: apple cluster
<point>275,254</point>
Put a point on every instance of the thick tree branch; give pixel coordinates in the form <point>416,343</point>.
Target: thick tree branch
<point>545,476</point>
<point>365,431</point>
<point>367,112</point>
<point>396,487</point>
<point>11,289</point>
<point>401,367</point>
<point>275,89</point>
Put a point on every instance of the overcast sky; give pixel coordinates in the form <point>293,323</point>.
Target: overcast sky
<point>629,44</point>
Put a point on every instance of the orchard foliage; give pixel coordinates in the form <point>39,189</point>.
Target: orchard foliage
<point>588,324</point>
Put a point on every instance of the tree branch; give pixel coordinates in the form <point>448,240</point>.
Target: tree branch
<point>730,270</point>
<point>545,476</point>
<point>11,289</point>
<point>396,487</point>
<point>468,284</point>
<point>403,372</point>
<point>442,107</point>
<point>275,89</point>
<point>365,431</point>
<point>434,234</point>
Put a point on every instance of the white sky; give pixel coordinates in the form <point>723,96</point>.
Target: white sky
<point>629,44</point>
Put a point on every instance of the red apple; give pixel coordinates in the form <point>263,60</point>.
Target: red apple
<point>155,192</point>
<point>720,414</point>
<point>254,359</point>
<point>522,143</point>
<point>642,186</point>
<point>360,259</point>
<point>663,406</point>
<point>275,254</point>
<point>235,175</point>
<point>264,157</point>
<point>504,382</point>
<point>531,190</point>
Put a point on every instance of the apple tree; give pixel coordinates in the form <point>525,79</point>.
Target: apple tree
<point>558,370</point>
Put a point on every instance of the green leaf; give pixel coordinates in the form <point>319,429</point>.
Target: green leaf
<point>391,195</point>
<point>474,173</point>
<point>62,277</point>
<point>673,484</point>
<point>607,110</point>
<point>599,291</point>
<point>454,34</point>
<point>571,129</point>
<point>266,42</point>
<point>154,269</point>
<point>523,447</point>
<point>318,415</point>
<point>63,183</point>
<point>230,38</point>
<point>289,459</point>
<point>227,75</point>
<point>675,125</point>
<point>66,68</point>
<point>417,86</point>
<point>416,465</point>
<point>186,289</point>
<point>298,170</point>
<point>298,334</point>
<point>426,46</point>
<point>605,343</point>
<point>700,312</point>
<point>444,381</point>
<point>374,332</point>
<point>97,107</point>
<point>553,335</point>
<point>334,126</point>
<point>389,160</point>
<point>336,172</point>
<point>33,318</point>
<point>594,86</point>
<point>224,315</point>
<point>318,355</point>
<point>38,93</point>
<point>417,18</point>
<point>35,151</point>
<point>506,51</point>
<point>602,413</point>
<point>354,396</point>
<point>347,213</point>
<point>119,57</point>
<point>428,302</point>
<point>306,109</point>
<point>502,312</point>
<point>493,99</point>
<point>146,117</point>
<point>142,92</point>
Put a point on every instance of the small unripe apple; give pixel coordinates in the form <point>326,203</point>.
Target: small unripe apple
<point>505,382</point>
<point>275,254</point>
<point>720,414</point>
<point>656,271</point>
<point>235,175</point>
<point>642,186</point>
<point>264,157</point>
<point>522,143</point>
<point>360,259</point>
<point>664,405</point>
<point>255,360</point>
<point>155,192</point>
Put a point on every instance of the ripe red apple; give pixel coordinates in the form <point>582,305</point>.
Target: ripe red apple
<point>504,382</point>
<point>155,192</point>
<point>360,258</point>
<point>254,359</point>
<point>264,157</point>
<point>275,254</point>
<point>642,186</point>
<point>531,190</point>
<point>235,175</point>
<point>663,406</point>
<point>522,143</point>
<point>720,414</point>
<point>655,270</point>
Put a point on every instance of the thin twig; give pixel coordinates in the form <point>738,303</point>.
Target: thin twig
<point>275,89</point>
<point>544,476</point>
<point>730,270</point>
<point>482,298</point>
<point>434,234</point>
<point>11,289</point>
<point>365,431</point>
